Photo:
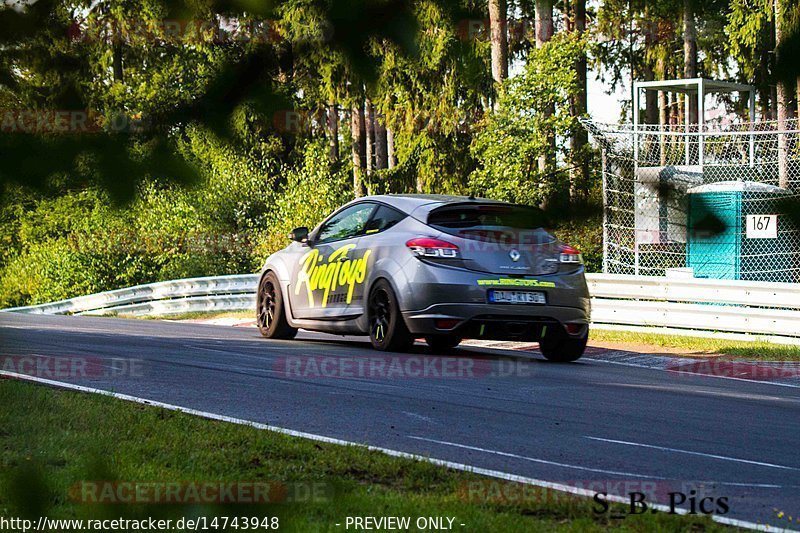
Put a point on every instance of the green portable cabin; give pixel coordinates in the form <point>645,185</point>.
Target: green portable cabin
<point>719,245</point>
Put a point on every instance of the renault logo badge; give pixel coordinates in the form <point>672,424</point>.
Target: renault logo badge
<point>514,255</point>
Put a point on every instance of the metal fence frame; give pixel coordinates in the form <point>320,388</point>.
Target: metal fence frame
<point>683,306</point>
<point>650,224</point>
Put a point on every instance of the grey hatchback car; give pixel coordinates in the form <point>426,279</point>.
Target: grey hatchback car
<point>442,268</point>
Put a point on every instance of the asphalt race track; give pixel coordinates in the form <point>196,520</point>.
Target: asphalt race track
<point>590,423</point>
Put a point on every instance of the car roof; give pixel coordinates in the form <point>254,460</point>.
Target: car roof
<point>422,203</point>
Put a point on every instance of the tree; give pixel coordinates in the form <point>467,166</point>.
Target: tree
<point>579,140</point>
<point>544,32</point>
<point>782,102</point>
<point>751,42</point>
<point>369,139</point>
<point>381,155</point>
<point>788,50</point>
<point>520,129</point>
<point>432,103</point>
<point>690,55</point>
<point>35,44</point>
<point>649,70</point>
<point>499,36</point>
<point>391,155</point>
<point>358,147</point>
<point>333,132</point>
<point>544,22</point>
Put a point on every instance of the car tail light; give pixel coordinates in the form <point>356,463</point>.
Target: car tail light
<point>428,247</point>
<point>446,323</point>
<point>573,329</point>
<point>570,255</point>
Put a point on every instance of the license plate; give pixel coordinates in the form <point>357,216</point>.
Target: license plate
<point>516,297</point>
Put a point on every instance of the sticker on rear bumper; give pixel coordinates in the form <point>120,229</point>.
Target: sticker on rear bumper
<point>515,282</point>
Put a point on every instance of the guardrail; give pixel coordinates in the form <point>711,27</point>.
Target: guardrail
<point>750,307</point>
<point>213,293</point>
<point>683,305</point>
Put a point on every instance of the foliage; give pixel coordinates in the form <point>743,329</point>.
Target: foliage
<point>313,189</point>
<point>432,101</point>
<point>519,130</point>
<point>75,242</point>
<point>585,233</point>
<point>42,68</point>
<point>747,23</point>
<point>787,52</point>
<point>71,244</point>
<point>751,37</point>
<point>647,37</point>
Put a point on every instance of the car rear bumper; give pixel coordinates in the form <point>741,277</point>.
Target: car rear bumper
<point>496,321</point>
<point>435,295</point>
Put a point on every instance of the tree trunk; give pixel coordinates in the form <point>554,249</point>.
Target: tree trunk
<point>690,55</point>
<point>358,150</point>
<point>782,103</point>
<point>380,144</point>
<point>674,121</point>
<point>544,32</point>
<point>333,131</point>
<point>663,122</point>
<point>544,21</point>
<point>650,97</point>
<point>370,138</point>
<point>579,181</point>
<point>797,97</point>
<point>117,60</point>
<point>391,155</point>
<point>499,31</point>
<point>764,103</point>
<point>663,109</point>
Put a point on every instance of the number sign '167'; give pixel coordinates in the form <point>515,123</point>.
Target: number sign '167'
<point>762,226</point>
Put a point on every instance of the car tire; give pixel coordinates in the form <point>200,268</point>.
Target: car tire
<point>270,311</point>
<point>387,329</point>
<point>563,349</point>
<point>444,341</point>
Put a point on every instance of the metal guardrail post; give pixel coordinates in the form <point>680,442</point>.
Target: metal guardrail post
<point>604,162</point>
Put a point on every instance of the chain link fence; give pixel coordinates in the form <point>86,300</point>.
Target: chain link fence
<point>720,202</point>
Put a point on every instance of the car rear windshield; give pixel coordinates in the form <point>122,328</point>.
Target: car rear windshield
<point>485,220</point>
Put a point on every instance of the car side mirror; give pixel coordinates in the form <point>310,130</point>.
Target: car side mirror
<point>299,234</point>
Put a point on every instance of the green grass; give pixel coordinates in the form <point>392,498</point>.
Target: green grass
<point>756,350</point>
<point>250,314</point>
<point>51,439</point>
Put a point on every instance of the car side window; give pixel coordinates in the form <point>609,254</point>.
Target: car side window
<point>384,218</point>
<point>347,223</point>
